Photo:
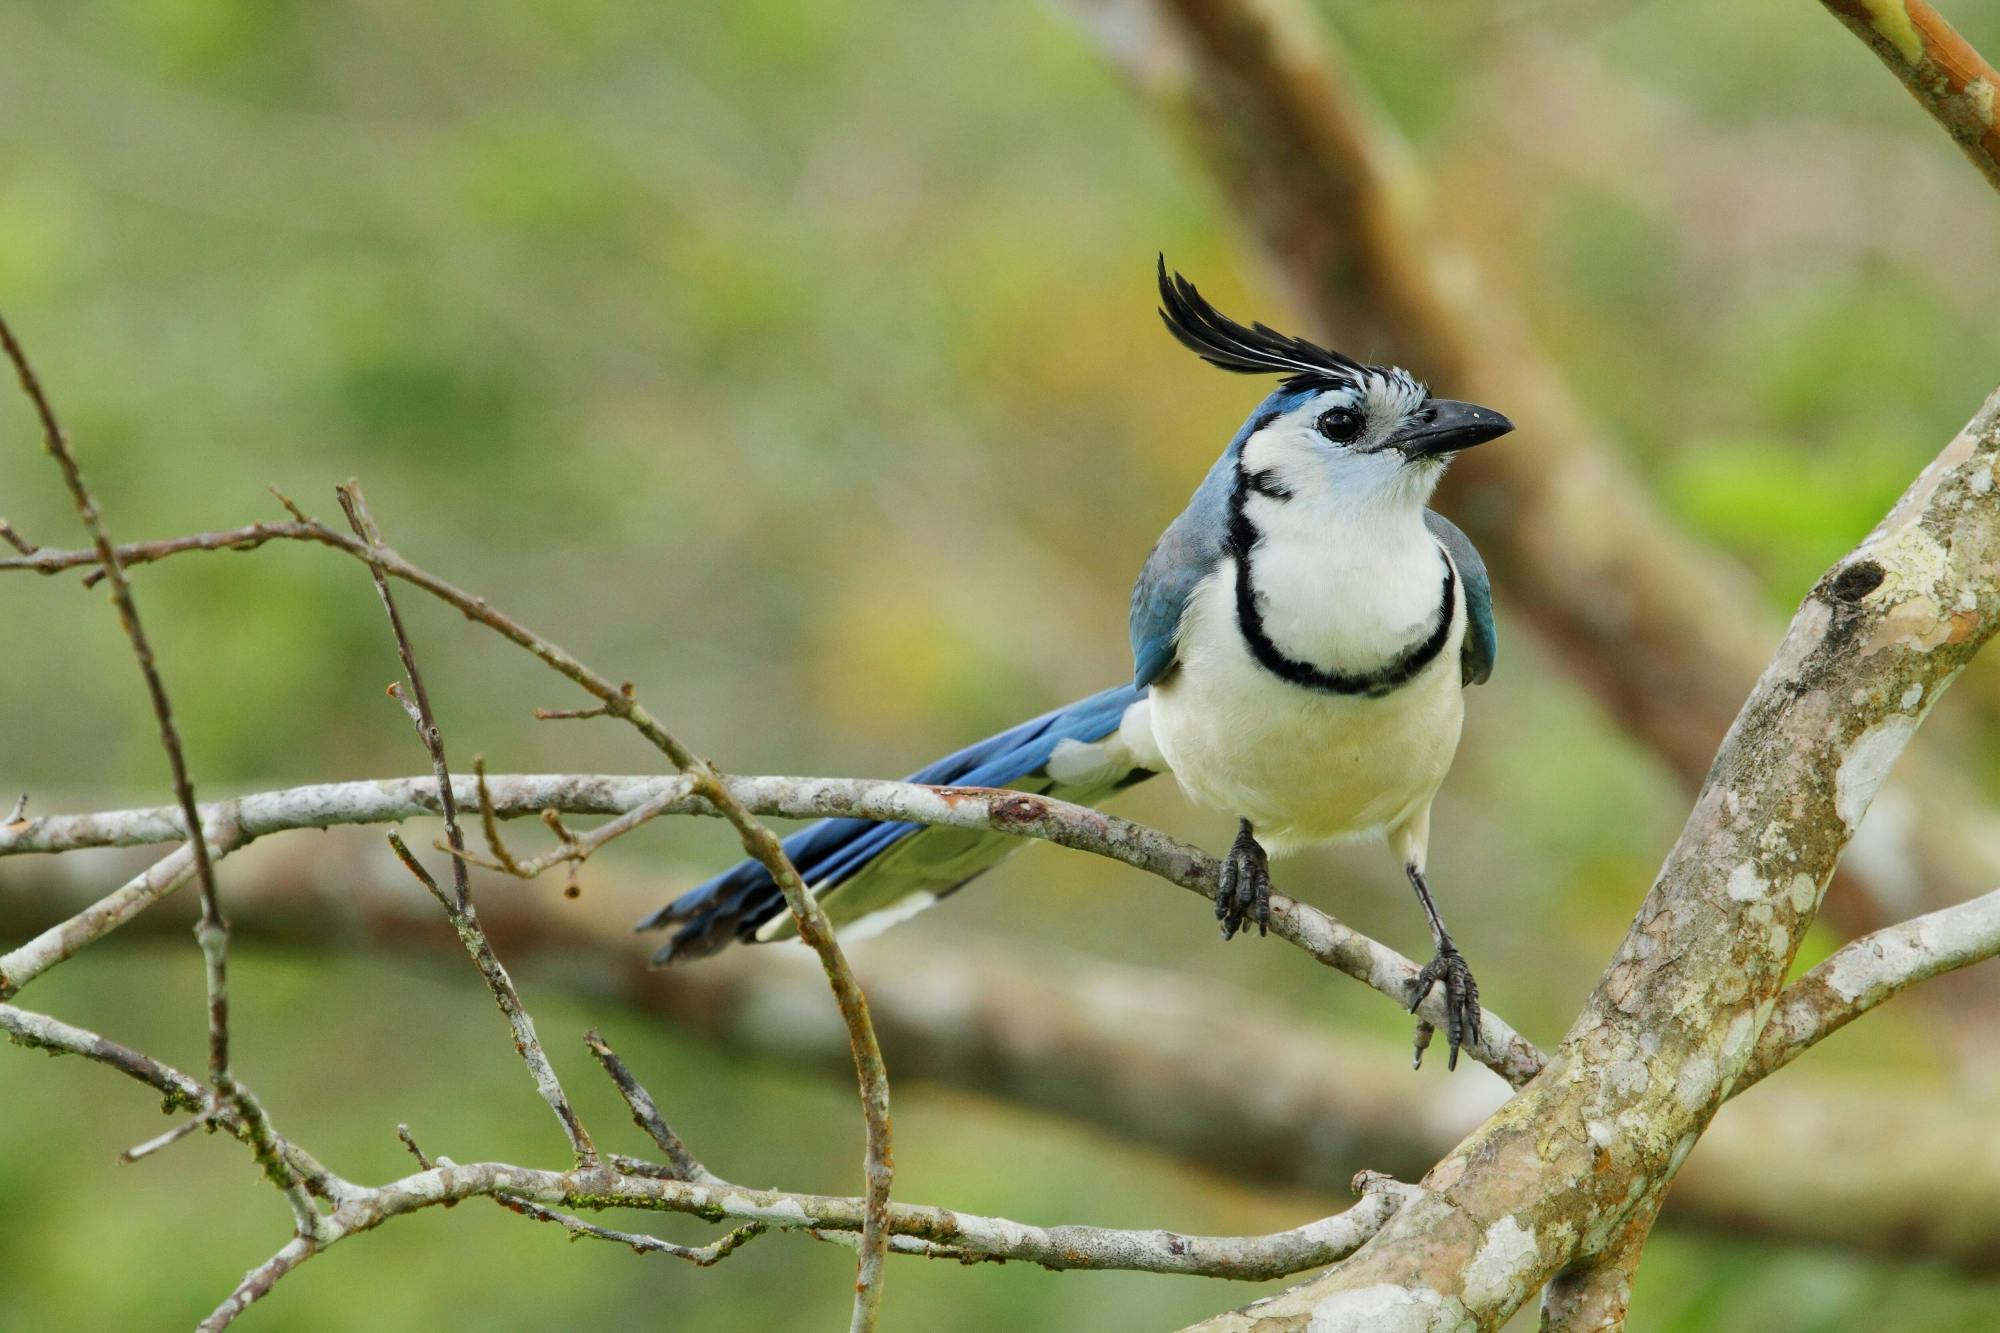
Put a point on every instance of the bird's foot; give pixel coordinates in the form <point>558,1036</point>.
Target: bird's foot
<point>1461,1003</point>
<point>1244,893</point>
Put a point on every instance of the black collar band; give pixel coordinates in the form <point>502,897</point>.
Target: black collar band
<point>1386,679</point>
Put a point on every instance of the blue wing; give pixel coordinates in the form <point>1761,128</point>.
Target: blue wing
<point>878,866</point>
<point>1482,639</point>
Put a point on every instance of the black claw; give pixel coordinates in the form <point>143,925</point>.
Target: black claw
<point>1461,1003</point>
<point>1243,890</point>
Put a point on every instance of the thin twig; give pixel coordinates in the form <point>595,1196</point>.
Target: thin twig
<point>410,1142</point>
<point>419,701</point>
<point>480,949</point>
<point>572,848</point>
<point>494,843</point>
<point>212,929</point>
<point>268,1149</point>
<point>257,1283</point>
<point>569,714</point>
<point>464,916</point>
<point>291,507</point>
<point>646,1112</point>
<point>179,1092</point>
<point>15,539</point>
<point>20,811</point>
<point>702,1256</point>
<point>621,702</point>
<point>167,1140</point>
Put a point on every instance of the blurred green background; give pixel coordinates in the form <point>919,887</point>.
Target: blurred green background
<point>798,362</point>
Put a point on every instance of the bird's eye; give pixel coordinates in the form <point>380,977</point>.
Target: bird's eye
<point>1340,424</point>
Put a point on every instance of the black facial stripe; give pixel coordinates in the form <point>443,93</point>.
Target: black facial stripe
<point>1385,679</point>
<point>1265,483</point>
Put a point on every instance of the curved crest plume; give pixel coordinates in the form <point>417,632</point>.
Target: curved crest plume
<point>1256,350</point>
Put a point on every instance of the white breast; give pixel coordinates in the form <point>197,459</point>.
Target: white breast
<point>1304,765</point>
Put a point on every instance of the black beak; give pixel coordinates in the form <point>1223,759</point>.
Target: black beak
<point>1446,426</point>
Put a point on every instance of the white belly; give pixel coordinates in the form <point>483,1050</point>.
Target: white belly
<point>1301,765</point>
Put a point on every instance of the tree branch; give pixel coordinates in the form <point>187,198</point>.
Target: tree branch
<point>536,1193</point>
<point>1943,72</point>
<point>177,1090</point>
<point>1594,1295</point>
<point>458,905</point>
<point>701,1256</point>
<point>1324,937</point>
<point>213,931</point>
<point>622,702</point>
<point>1863,974</point>
<point>63,940</point>
<point>645,1114</point>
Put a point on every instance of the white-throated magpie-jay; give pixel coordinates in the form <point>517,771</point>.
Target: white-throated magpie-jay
<point>1302,636</point>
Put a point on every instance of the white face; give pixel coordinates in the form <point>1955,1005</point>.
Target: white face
<point>1337,446</point>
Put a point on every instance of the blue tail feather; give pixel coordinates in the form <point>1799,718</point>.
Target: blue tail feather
<point>836,852</point>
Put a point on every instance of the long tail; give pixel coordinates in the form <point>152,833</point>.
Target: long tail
<point>885,873</point>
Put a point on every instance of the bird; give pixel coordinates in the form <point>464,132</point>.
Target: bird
<point>1302,636</point>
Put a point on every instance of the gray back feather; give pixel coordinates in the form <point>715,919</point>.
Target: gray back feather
<point>1187,552</point>
<point>1482,639</point>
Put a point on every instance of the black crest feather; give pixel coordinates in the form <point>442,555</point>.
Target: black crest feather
<point>1256,350</point>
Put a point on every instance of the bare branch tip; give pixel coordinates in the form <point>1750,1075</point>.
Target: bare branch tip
<point>410,1142</point>
<point>203,1120</point>
<point>414,866</point>
<point>569,714</point>
<point>290,507</point>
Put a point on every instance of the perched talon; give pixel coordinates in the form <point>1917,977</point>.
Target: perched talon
<point>1243,892</point>
<point>1421,1042</point>
<point>1461,1002</point>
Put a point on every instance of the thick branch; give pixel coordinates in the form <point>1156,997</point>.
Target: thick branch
<point>1594,1295</point>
